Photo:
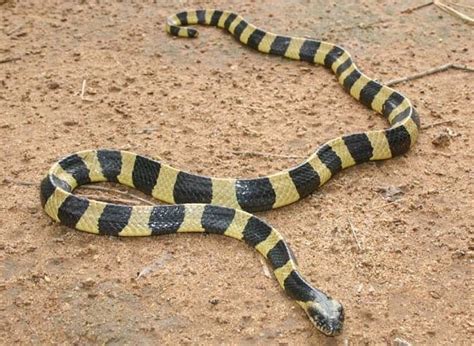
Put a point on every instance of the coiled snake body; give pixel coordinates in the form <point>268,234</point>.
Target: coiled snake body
<point>216,205</point>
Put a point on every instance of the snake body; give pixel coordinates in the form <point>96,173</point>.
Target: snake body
<point>221,205</point>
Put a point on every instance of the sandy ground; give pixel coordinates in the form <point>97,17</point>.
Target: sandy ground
<point>200,105</point>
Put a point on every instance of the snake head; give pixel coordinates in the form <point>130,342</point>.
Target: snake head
<point>326,314</point>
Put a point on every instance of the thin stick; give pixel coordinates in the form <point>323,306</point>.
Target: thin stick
<point>435,152</point>
<point>366,26</point>
<point>429,72</point>
<point>149,269</point>
<point>21,183</point>
<point>83,89</point>
<point>109,190</point>
<point>145,131</point>
<point>266,272</point>
<point>14,30</point>
<point>257,153</point>
<point>116,60</point>
<point>3,61</point>
<point>462,67</point>
<point>411,9</point>
<point>384,205</point>
<point>461,5</point>
<point>454,12</point>
<point>354,234</point>
<point>436,124</point>
<point>253,107</point>
<point>114,200</point>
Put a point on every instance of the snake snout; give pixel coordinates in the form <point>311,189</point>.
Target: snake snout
<point>335,321</point>
<point>327,316</point>
<point>334,325</point>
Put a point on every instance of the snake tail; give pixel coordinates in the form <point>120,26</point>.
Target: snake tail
<point>291,185</point>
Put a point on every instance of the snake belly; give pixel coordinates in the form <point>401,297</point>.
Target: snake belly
<point>221,205</point>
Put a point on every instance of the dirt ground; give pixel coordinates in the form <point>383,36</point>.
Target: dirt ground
<point>393,241</point>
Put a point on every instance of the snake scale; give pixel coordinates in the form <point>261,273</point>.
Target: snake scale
<point>221,205</point>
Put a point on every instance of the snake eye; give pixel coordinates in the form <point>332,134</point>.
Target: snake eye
<point>341,313</point>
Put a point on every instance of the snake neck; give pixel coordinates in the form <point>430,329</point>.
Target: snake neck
<point>326,313</point>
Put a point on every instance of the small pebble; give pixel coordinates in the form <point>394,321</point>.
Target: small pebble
<point>400,342</point>
<point>53,85</point>
<point>114,89</point>
<point>214,301</point>
<point>441,140</point>
<point>88,283</point>
<point>70,123</point>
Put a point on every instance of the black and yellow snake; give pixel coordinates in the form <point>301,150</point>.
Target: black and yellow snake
<point>216,205</point>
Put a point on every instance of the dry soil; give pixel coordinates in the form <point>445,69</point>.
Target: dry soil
<point>203,105</point>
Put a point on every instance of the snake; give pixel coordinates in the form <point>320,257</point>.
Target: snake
<point>196,203</point>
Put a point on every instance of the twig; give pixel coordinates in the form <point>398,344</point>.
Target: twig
<point>454,12</point>
<point>3,61</point>
<point>436,124</point>
<point>461,5</point>
<point>124,193</point>
<point>354,234</point>
<point>266,272</point>
<point>384,205</point>
<point>416,8</point>
<point>411,9</point>
<point>429,72</point>
<point>116,60</point>
<point>366,26</point>
<point>462,67</point>
<point>14,30</point>
<point>252,107</point>
<point>21,183</point>
<point>257,108</point>
<point>149,269</point>
<point>25,183</point>
<point>114,200</point>
<point>435,152</point>
<point>83,91</point>
<point>145,131</point>
<point>256,153</point>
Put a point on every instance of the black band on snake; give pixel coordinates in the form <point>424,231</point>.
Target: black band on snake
<point>216,205</point>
